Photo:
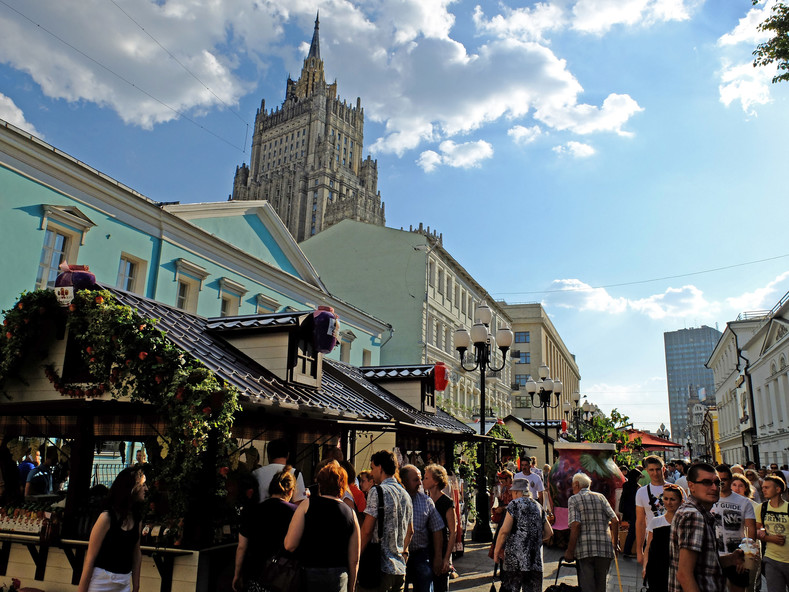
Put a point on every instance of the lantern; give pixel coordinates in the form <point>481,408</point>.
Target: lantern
<point>326,329</point>
<point>441,376</point>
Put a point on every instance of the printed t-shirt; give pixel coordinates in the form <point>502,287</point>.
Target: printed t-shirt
<point>653,505</point>
<point>730,513</point>
<point>776,521</point>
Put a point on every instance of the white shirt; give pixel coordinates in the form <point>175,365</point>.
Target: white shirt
<point>657,522</point>
<point>535,483</point>
<point>264,475</point>
<point>683,483</point>
<point>730,513</point>
<point>643,500</point>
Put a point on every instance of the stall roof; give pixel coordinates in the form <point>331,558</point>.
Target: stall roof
<point>441,421</point>
<point>401,372</point>
<point>257,386</point>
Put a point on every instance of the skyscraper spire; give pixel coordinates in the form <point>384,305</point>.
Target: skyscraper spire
<point>315,46</point>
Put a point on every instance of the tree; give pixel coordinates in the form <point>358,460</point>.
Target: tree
<point>776,49</point>
<point>613,430</point>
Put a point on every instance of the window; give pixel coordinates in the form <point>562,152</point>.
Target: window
<point>131,274</point>
<point>64,229</point>
<point>440,281</point>
<point>54,253</point>
<point>520,379</point>
<point>449,290</point>
<point>367,357</point>
<point>189,280</point>
<point>522,337</point>
<point>525,358</point>
<point>431,273</point>
<point>522,401</point>
<point>229,307</point>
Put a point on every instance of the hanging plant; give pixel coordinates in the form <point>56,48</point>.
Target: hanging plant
<point>128,357</point>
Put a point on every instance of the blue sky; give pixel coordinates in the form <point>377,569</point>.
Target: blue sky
<point>571,152</point>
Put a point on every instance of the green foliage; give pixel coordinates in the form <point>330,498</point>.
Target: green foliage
<point>776,49</point>
<point>129,358</point>
<point>613,430</point>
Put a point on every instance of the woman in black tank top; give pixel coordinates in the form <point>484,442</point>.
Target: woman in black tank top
<point>112,562</point>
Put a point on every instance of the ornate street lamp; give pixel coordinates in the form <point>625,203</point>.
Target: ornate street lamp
<point>544,389</point>
<point>577,411</point>
<point>663,432</point>
<point>482,341</point>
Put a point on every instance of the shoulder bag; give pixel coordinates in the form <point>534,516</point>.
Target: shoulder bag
<point>369,574</point>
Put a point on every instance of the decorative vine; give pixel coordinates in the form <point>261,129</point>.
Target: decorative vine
<point>128,357</point>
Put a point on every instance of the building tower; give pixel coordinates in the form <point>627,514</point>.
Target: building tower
<point>307,156</point>
<point>687,352</point>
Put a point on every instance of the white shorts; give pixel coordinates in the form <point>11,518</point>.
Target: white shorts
<point>107,581</point>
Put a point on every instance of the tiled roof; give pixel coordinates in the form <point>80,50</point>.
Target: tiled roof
<point>257,385</point>
<point>441,421</point>
<point>396,372</point>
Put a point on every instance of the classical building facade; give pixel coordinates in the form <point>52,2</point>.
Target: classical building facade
<point>732,397</point>
<point>425,294</point>
<point>687,351</point>
<point>537,341</point>
<point>307,156</point>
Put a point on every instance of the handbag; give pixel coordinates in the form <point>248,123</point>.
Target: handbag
<point>369,573</point>
<point>280,574</point>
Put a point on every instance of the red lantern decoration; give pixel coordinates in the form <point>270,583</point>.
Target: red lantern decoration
<point>441,376</point>
<point>564,426</point>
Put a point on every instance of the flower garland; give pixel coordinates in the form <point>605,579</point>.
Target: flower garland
<point>128,357</point>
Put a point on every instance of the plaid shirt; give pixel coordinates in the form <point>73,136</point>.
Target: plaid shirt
<point>693,528</point>
<point>426,521</point>
<point>593,512</point>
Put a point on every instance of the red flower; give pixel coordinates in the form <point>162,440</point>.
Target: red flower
<point>207,410</point>
<point>20,306</point>
<point>72,307</point>
<point>5,322</point>
<point>142,327</point>
<point>92,360</point>
<point>128,362</point>
<point>99,299</point>
<point>158,379</point>
<point>89,349</point>
<point>143,355</point>
<point>9,335</point>
<point>224,471</point>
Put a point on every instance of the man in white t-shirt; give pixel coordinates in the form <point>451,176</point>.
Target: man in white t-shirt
<point>535,482</point>
<point>649,501</point>
<point>734,516</point>
<point>682,480</point>
<point>278,460</point>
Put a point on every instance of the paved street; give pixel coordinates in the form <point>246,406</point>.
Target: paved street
<point>476,569</point>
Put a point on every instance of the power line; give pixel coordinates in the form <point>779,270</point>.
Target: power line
<point>177,61</point>
<point>130,83</point>
<point>659,279</point>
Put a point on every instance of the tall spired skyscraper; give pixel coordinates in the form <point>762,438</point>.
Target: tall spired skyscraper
<point>307,156</point>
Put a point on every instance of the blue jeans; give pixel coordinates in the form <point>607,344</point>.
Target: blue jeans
<point>324,579</point>
<point>419,571</point>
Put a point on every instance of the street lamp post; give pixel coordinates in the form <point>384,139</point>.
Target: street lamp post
<point>690,448</point>
<point>663,434</point>
<point>544,389</point>
<point>580,412</point>
<point>482,340</point>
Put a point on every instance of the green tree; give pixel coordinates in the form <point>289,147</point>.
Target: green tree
<point>776,49</point>
<point>613,430</point>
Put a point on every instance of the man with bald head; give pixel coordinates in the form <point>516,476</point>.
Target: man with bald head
<point>427,542</point>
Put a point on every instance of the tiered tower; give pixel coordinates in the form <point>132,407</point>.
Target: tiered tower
<point>307,156</point>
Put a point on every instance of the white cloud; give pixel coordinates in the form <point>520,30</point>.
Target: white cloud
<point>761,298</point>
<point>586,119</point>
<point>524,135</point>
<point>525,24</point>
<point>423,85</point>
<point>466,155</point>
<point>576,149</point>
<point>746,30</point>
<point>676,303</point>
<point>746,84</point>
<point>599,16</point>
<point>14,115</point>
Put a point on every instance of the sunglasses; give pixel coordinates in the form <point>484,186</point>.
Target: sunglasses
<point>708,482</point>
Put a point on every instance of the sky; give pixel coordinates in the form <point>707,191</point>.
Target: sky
<point>617,160</point>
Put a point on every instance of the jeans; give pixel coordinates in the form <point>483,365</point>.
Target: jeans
<point>324,579</point>
<point>777,574</point>
<point>593,573</point>
<point>419,571</point>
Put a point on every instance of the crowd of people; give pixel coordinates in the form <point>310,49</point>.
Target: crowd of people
<point>386,529</point>
<point>708,528</point>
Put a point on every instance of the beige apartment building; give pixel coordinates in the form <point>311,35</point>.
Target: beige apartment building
<point>538,341</point>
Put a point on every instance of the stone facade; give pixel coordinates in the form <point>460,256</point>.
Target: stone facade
<point>538,341</point>
<point>307,157</point>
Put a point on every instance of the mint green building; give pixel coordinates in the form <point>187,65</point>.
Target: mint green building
<point>212,259</point>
